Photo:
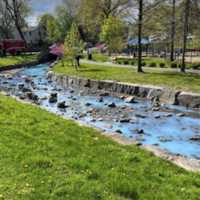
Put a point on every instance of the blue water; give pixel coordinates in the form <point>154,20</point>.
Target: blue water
<point>171,133</point>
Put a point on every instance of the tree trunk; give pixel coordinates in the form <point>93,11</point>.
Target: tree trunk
<point>140,18</point>
<point>173,26</point>
<point>185,33</point>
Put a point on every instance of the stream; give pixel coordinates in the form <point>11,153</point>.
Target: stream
<point>172,128</point>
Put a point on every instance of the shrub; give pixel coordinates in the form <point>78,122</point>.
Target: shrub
<point>162,65</point>
<point>132,63</point>
<point>196,66</point>
<point>143,64</point>
<point>126,62</point>
<point>153,64</point>
<point>174,65</point>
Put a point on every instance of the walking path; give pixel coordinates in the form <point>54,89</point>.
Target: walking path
<point>110,64</point>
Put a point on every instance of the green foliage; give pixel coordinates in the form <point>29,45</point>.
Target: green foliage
<point>53,31</point>
<point>196,66</point>
<point>152,64</point>
<point>162,65</point>
<point>73,43</point>
<point>113,34</point>
<point>45,157</point>
<point>174,65</point>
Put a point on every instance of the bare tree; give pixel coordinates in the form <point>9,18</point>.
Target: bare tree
<point>18,10</point>
<point>185,31</point>
<point>6,24</point>
<point>173,29</point>
<point>140,23</point>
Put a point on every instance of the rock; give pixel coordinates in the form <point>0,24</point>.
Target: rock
<point>157,117</point>
<point>105,94</point>
<point>88,104</point>
<point>28,80</point>
<point>168,115</point>
<point>25,90</point>
<point>53,98</point>
<point>130,100</point>
<point>20,86</point>
<point>180,115</point>
<point>32,96</point>
<point>112,105</point>
<point>195,138</point>
<point>165,139</point>
<point>119,131</point>
<point>155,109</point>
<point>62,105</point>
<point>124,120</point>
<point>139,131</point>
<point>141,116</point>
<point>101,100</point>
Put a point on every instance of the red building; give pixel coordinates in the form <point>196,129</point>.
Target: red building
<point>13,47</point>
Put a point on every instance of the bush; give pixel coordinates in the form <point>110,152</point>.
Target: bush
<point>132,63</point>
<point>153,64</point>
<point>196,66</point>
<point>143,64</point>
<point>174,65</point>
<point>119,62</point>
<point>126,62</point>
<point>162,65</point>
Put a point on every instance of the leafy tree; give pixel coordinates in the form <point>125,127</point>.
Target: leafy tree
<point>113,34</point>
<point>73,45</point>
<point>65,20</point>
<point>53,31</point>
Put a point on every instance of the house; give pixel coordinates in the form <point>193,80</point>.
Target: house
<point>34,35</point>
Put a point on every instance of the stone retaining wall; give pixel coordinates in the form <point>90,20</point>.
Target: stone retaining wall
<point>191,100</point>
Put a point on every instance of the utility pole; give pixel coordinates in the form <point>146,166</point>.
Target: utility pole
<point>140,23</point>
<point>185,32</point>
<point>173,29</point>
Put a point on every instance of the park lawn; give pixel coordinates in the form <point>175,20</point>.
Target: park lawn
<point>12,60</point>
<point>175,80</point>
<point>46,157</point>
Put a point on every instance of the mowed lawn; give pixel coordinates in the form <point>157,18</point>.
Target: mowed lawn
<point>44,157</point>
<point>12,60</point>
<point>188,82</point>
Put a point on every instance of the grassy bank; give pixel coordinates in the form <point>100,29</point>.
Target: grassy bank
<point>46,157</point>
<point>187,82</point>
<point>12,60</point>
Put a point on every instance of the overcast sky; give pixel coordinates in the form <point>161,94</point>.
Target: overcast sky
<point>40,7</point>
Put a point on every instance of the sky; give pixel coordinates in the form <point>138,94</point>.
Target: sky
<point>40,7</point>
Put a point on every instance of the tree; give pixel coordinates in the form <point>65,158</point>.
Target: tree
<point>53,31</point>
<point>73,45</point>
<point>51,27</point>
<point>113,34</point>
<point>18,11</point>
<point>6,23</point>
<point>173,29</point>
<point>64,19</point>
<point>140,23</point>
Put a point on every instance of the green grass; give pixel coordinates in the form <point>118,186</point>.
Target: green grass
<point>100,57</point>
<point>175,80</point>
<point>43,156</point>
<point>12,60</point>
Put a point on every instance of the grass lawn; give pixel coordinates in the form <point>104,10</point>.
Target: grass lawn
<point>11,60</point>
<point>187,82</point>
<point>46,157</point>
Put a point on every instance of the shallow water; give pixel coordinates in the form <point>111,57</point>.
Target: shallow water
<point>169,132</point>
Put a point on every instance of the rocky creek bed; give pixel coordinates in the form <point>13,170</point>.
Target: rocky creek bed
<point>175,129</point>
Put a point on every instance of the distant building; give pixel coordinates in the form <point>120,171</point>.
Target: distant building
<point>34,35</point>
